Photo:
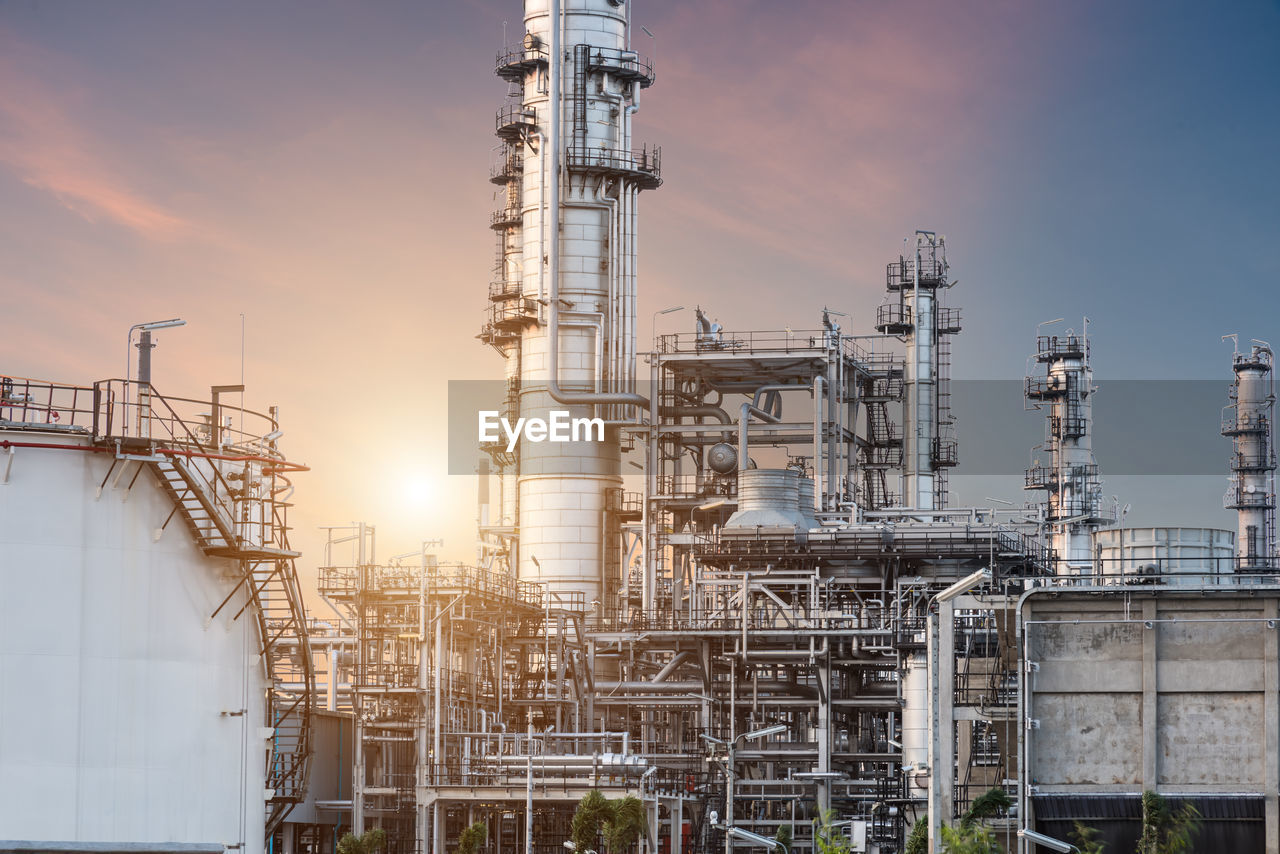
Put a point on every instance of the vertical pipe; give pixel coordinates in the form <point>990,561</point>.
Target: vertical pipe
<point>528,791</point>
<point>818,485</point>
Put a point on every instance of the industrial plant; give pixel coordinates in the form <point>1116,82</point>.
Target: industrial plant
<point>776,624</point>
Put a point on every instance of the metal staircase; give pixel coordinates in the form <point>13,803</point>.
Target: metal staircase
<point>230,504</point>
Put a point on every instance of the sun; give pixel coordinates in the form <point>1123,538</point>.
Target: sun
<point>418,493</point>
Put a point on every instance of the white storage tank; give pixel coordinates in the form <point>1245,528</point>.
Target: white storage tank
<point>1174,555</point>
<point>128,714</point>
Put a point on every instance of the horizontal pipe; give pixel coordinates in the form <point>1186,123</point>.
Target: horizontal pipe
<point>90,448</point>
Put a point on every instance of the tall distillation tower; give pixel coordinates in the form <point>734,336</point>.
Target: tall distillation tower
<point>1069,476</point>
<point>1249,423</point>
<point>929,443</point>
<point>563,302</point>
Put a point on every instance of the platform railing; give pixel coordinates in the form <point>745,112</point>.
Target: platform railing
<point>40,404</point>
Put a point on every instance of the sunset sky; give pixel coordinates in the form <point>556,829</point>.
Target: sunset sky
<point>321,169</point>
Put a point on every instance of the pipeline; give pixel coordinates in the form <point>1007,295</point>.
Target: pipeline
<point>90,448</point>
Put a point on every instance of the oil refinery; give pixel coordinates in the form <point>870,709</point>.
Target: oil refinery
<point>742,593</point>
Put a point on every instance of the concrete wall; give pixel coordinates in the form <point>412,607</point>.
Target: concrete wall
<point>1173,691</point>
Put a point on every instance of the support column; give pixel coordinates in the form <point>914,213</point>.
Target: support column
<point>437,827</point>
<point>824,734</point>
<point>1150,699</point>
<point>1271,720</point>
<point>942,741</point>
<point>677,826</point>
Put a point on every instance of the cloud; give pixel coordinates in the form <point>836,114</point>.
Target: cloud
<point>46,148</point>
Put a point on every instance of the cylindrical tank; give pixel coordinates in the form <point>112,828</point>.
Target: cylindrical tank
<point>915,720</point>
<point>127,715</point>
<point>1175,555</point>
<point>807,495</point>
<point>768,498</point>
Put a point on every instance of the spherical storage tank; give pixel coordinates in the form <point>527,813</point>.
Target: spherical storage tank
<point>128,713</point>
<point>1179,555</point>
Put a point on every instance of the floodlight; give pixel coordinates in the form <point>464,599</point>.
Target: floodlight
<point>964,585</point>
<point>763,733</point>
<point>1046,841</point>
<point>161,324</point>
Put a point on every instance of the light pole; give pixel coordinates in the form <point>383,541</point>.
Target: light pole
<point>730,748</point>
<point>942,661</point>
<point>653,330</point>
<point>145,346</point>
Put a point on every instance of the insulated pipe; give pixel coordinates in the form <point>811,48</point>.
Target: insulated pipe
<point>676,660</point>
<point>558,394</point>
<point>611,206</point>
<point>753,408</point>
<point>703,411</point>
<point>633,255</point>
<point>696,686</point>
<point>819,496</point>
<point>744,414</point>
<point>542,217</point>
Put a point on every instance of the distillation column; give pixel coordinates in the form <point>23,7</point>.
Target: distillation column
<point>928,446</point>
<point>1069,478</point>
<point>580,179</point>
<point>1248,421</point>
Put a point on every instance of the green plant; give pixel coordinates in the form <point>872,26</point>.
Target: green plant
<point>827,838</point>
<point>1165,830</point>
<point>470,840</point>
<point>918,840</point>
<point>1086,839</point>
<point>625,824</point>
<point>591,814</point>
<point>369,842</point>
<point>989,804</point>
<point>969,839</point>
<point>622,822</point>
<point>784,838</point>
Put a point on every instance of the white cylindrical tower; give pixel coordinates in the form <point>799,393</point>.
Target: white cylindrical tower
<point>1248,422</point>
<point>579,180</point>
<point>127,715</point>
<point>1069,475</point>
<point>929,446</point>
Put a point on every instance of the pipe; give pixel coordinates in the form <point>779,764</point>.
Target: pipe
<point>542,218</point>
<point>744,414</point>
<point>598,326</point>
<point>90,448</point>
<point>703,411</point>
<point>633,254</point>
<point>676,660</point>
<point>819,496</point>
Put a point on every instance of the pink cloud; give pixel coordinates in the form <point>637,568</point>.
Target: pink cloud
<point>41,142</point>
